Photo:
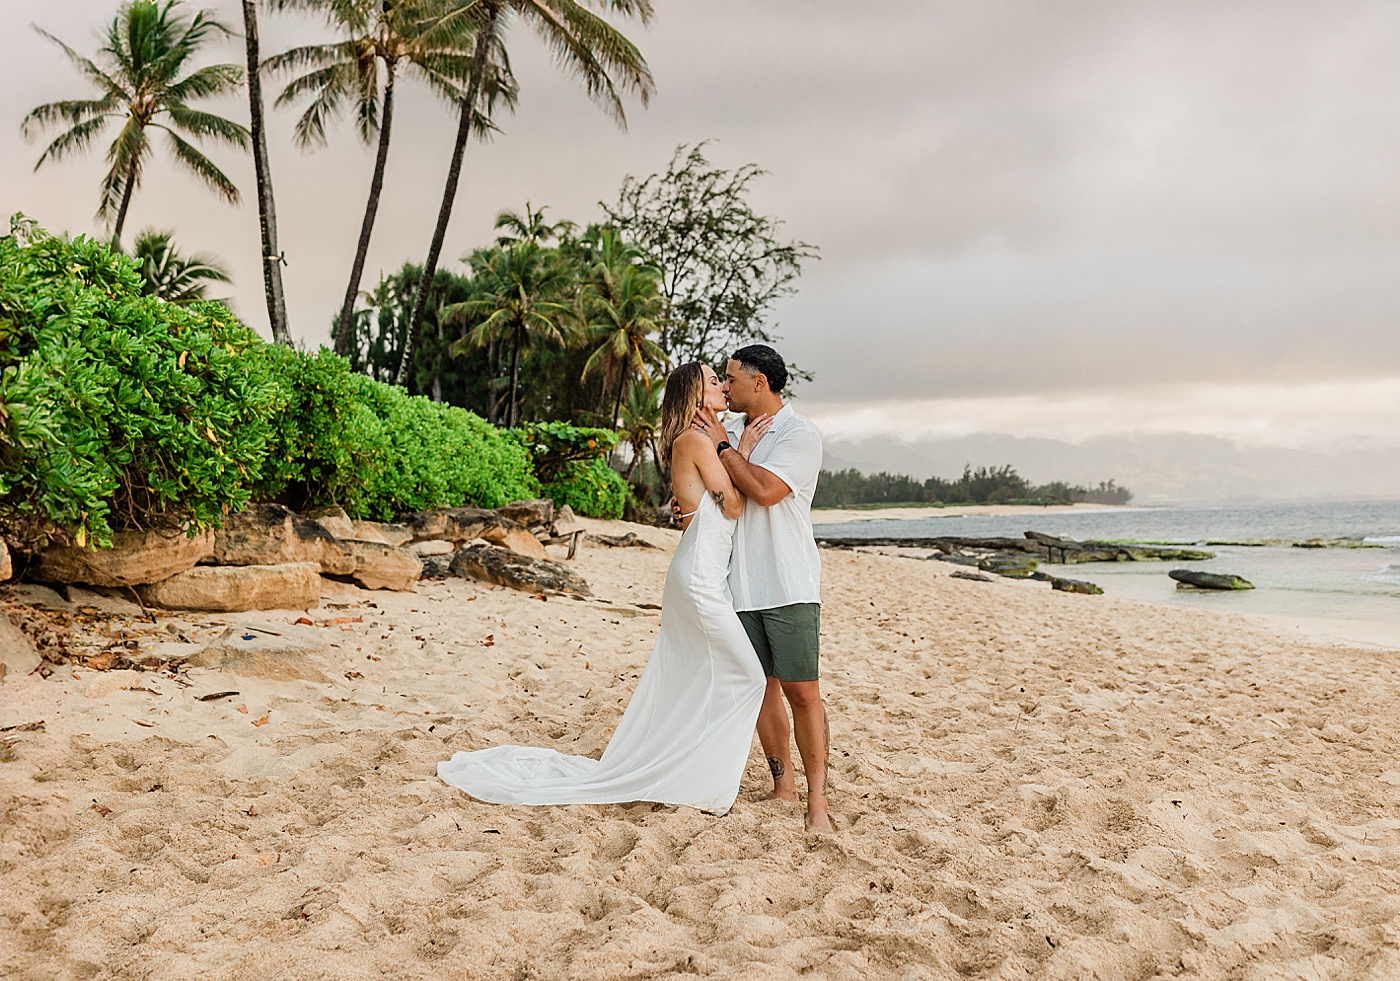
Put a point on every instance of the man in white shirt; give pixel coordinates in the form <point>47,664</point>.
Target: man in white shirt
<point>775,573</point>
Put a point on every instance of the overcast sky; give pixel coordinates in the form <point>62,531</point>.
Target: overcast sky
<point>1060,218</point>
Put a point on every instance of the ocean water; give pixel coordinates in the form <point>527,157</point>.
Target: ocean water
<point>1342,584</point>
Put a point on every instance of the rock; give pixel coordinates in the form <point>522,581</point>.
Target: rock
<point>1191,579</point>
<point>537,514</point>
<point>32,594</point>
<point>104,601</point>
<point>435,546</point>
<point>382,533</point>
<point>521,542</point>
<point>564,521</point>
<point>436,567</point>
<point>270,534</point>
<point>384,567</point>
<point>236,588</point>
<point>279,651</point>
<point>506,568</point>
<point>629,540</point>
<point>1016,566</point>
<point>135,558</point>
<point>7,567</point>
<point>968,574</point>
<point>334,520</point>
<point>109,682</point>
<point>18,655</point>
<point>1075,586</point>
<point>1047,547</point>
<point>453,524</point>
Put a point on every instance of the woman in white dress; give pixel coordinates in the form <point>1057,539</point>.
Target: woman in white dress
<point>685,735</point>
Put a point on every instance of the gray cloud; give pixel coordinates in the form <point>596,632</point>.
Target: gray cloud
<point>1010,196</point>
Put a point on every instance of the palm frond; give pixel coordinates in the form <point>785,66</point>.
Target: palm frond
<point>204,82</point>
<point>309,56</point>
<point>71,111</point>
<point>89,68</point>
<point>200,165</point>
<point>75,140</point>
<point>594,51</point>
<point>206,124</point>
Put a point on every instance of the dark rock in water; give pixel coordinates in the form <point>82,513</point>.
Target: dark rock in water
<point>1075,586</point>
<point>1017,566</point>
<point>1048,548</point>
<point>970,575</point>
<point>1191,579</point>
<point>506,568</point>
<point>956,558</point>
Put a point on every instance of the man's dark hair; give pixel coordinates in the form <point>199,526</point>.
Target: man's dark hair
<point>760,359</point>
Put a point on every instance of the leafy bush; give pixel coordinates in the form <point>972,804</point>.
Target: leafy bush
<point>554,445</point>
<point>590,487</point>
<point>119,410</point>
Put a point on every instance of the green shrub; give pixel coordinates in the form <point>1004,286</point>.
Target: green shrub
<point>590,487</point>
<point>554,445</point>
<point>119,410</point>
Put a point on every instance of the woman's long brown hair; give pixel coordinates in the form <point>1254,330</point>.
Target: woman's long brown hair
<point>685,388</point>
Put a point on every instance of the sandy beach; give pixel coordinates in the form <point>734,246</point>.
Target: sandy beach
<point>832,516</point>
<point>1028,785</point>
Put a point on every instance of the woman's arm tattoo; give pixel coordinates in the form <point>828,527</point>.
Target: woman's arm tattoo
<point>719,498</point>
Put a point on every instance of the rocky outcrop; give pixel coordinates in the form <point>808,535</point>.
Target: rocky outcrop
<point>434,546</point>
<point>488,563</point>
<point>270,534</point>
<point>7,569</point>
<point>237,588</point>
<point>384,567</point>
<point>453,524</point>
<point>1191,579</point>
<point>1075,586</point>
<point>565,523</point>
<point>18,655</point>
<point>537,517</point>
<point>334,520</point>
<point>970,576</point>
<point>1015,565</point>
<point>381,532</point>
<point>1046,548</point>
<point>521,542</point>
<point>135,558</point>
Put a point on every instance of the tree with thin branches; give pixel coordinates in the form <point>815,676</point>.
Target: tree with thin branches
<point>141,73</point>
<point>171,276</point>
<point>582,42</point>
<point>524,298</point>
<point>379,39</point>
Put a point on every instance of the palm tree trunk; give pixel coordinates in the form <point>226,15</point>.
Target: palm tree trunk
<point>126,202</point>
<point>449,193</point>
<point>617,402</point>
<point>376,186</point>
<point>514,418</point>
<point>267,213</point>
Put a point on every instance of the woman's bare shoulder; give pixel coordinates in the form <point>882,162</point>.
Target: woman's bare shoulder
<point>691,441</point>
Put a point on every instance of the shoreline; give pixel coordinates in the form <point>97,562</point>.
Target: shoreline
<point>834,516</point>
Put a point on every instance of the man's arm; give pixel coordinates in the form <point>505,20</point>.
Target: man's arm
<point>758,485</point>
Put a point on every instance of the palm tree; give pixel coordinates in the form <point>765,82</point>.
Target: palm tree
<point>621,308</point>
<point>267,211</point>
<point>523,299</point>
<point>138,72</point>
<point>407,35</point>
<point>530,227</point>
<point>640,421</point>
<point>582,42</point>
<point>171,276</point>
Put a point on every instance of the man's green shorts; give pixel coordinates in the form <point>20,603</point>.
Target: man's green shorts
<point>786,639</point>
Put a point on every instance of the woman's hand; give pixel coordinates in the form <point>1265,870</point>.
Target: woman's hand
<point>756,429</point>
<point>707,422</point>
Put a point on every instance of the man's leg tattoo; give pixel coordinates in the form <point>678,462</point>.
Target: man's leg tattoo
<point>776,765</point>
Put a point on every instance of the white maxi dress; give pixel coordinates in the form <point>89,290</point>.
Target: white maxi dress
<point>685,735</point>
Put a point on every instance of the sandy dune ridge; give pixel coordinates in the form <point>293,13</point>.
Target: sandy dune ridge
<point>1029,784</point>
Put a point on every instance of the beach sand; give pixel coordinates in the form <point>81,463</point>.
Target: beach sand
<point>1028,784</point>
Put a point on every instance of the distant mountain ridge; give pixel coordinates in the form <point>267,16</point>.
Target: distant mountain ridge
<point>1168,468</point>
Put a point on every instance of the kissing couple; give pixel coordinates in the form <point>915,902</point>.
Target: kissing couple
<point>740,618</point>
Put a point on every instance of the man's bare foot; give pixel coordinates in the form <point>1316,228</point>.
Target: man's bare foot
<point>818,821</point>
<point>784,786</point>
<point>779,794</point>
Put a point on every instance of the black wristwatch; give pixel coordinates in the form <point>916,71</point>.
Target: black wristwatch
<point>724,444</point>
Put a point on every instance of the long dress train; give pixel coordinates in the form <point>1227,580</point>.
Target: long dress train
<point>685,735</point>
